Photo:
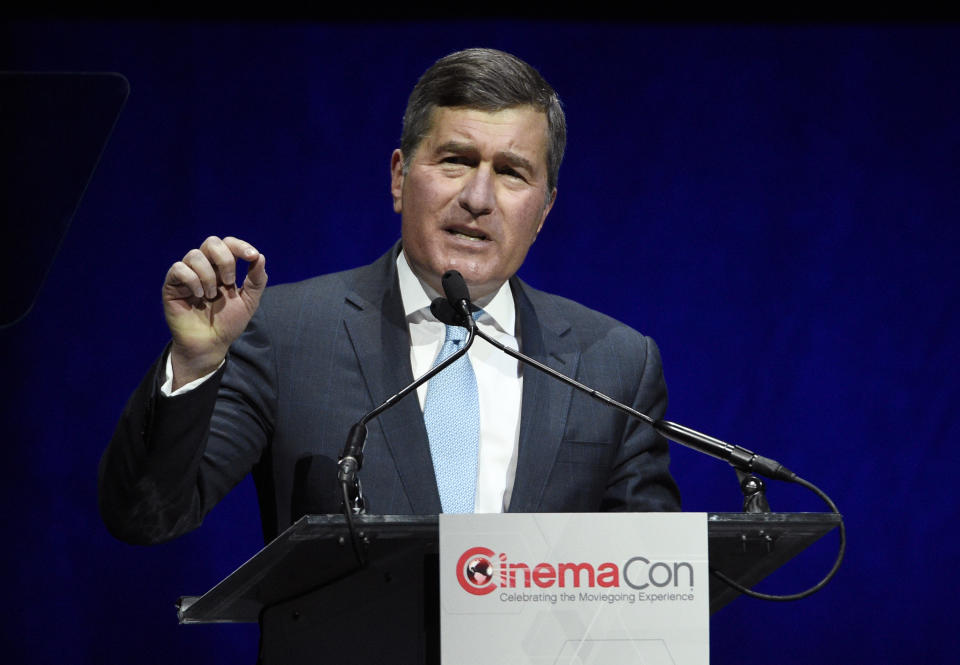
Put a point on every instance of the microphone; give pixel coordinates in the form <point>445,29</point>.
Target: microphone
<point>458,297</point>
<point>444,312</point>
<point>351,460</point>
<point>737,456</point>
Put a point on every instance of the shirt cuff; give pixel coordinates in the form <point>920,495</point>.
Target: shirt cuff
<point>166,388</point>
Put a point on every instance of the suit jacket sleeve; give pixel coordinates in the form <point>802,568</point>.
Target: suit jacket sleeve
<point>171,459</point>
<point>639,476</point>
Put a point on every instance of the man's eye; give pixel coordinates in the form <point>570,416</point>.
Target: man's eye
<point>456,159</point>
<point>511,172</point>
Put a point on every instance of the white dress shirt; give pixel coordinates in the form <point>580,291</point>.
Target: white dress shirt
<point>499,380</point>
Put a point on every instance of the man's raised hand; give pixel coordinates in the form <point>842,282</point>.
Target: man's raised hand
<point>204,308</point>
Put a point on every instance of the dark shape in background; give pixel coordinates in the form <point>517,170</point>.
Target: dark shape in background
<point>53,129</point>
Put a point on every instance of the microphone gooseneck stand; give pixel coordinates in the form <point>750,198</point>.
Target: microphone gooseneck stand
<point>351,460</point>
<point>456,311</point>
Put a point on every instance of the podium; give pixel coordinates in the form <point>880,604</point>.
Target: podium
<point>314,603</point>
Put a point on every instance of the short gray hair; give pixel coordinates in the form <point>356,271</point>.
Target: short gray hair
<point>485,80</point>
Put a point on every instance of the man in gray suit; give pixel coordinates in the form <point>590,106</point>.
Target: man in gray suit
<point>269,381</point>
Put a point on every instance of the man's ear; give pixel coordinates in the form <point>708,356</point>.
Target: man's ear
<point>546,209</point>
<point>396,179</point>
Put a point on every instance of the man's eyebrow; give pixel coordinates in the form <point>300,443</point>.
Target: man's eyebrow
<point>510,157</point>
<point>458,147</point>
<point>513,159</point>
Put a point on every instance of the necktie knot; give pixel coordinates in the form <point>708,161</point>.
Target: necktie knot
<point>456,334</point>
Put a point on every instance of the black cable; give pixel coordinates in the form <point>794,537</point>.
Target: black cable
<point>357,551</point>
<point>736,456</point>
<point>819,585</point>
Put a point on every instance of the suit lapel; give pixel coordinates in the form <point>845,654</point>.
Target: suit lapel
<point>374,320</point>
<point>545,336</point>
<point>381,340</point>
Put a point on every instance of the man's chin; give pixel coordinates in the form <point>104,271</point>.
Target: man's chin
<point>481,286</point>
<point>479,278</point>
<point>479,283</point>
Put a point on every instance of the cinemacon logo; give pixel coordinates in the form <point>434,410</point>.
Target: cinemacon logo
<point>480,571</point>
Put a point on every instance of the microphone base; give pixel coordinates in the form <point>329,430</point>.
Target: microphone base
<point>754,493</point>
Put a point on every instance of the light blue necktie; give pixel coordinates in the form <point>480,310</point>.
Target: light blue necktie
<point>451,413</point>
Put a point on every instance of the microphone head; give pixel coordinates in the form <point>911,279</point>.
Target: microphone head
<point>443,310</point>
<point>455,287</point>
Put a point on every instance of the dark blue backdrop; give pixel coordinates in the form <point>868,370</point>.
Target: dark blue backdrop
<point>776,205</point>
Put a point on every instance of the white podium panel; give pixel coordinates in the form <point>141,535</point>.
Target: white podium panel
<point>574,589</point>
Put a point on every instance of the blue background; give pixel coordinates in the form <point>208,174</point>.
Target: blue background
<point>776,205</point>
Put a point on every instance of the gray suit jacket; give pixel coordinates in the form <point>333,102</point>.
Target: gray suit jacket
<point>319,354</point>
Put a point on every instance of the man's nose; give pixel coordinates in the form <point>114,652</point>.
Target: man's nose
<point>477,196</point>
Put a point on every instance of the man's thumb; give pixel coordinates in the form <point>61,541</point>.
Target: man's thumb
<point>255,281</point>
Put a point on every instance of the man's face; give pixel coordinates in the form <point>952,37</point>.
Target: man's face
<point>475,195</point>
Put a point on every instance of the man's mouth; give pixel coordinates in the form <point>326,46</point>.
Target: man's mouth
<point>470,234</point>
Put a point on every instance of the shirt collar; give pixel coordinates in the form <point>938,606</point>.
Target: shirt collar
<point>499,310</point>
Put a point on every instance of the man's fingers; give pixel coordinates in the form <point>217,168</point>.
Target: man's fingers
<point>200,341</point>
<point>241,249</point>
<point>222,258</point>
<point>182,278</point>
<point>198,262</point>
<point>202,271</point>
